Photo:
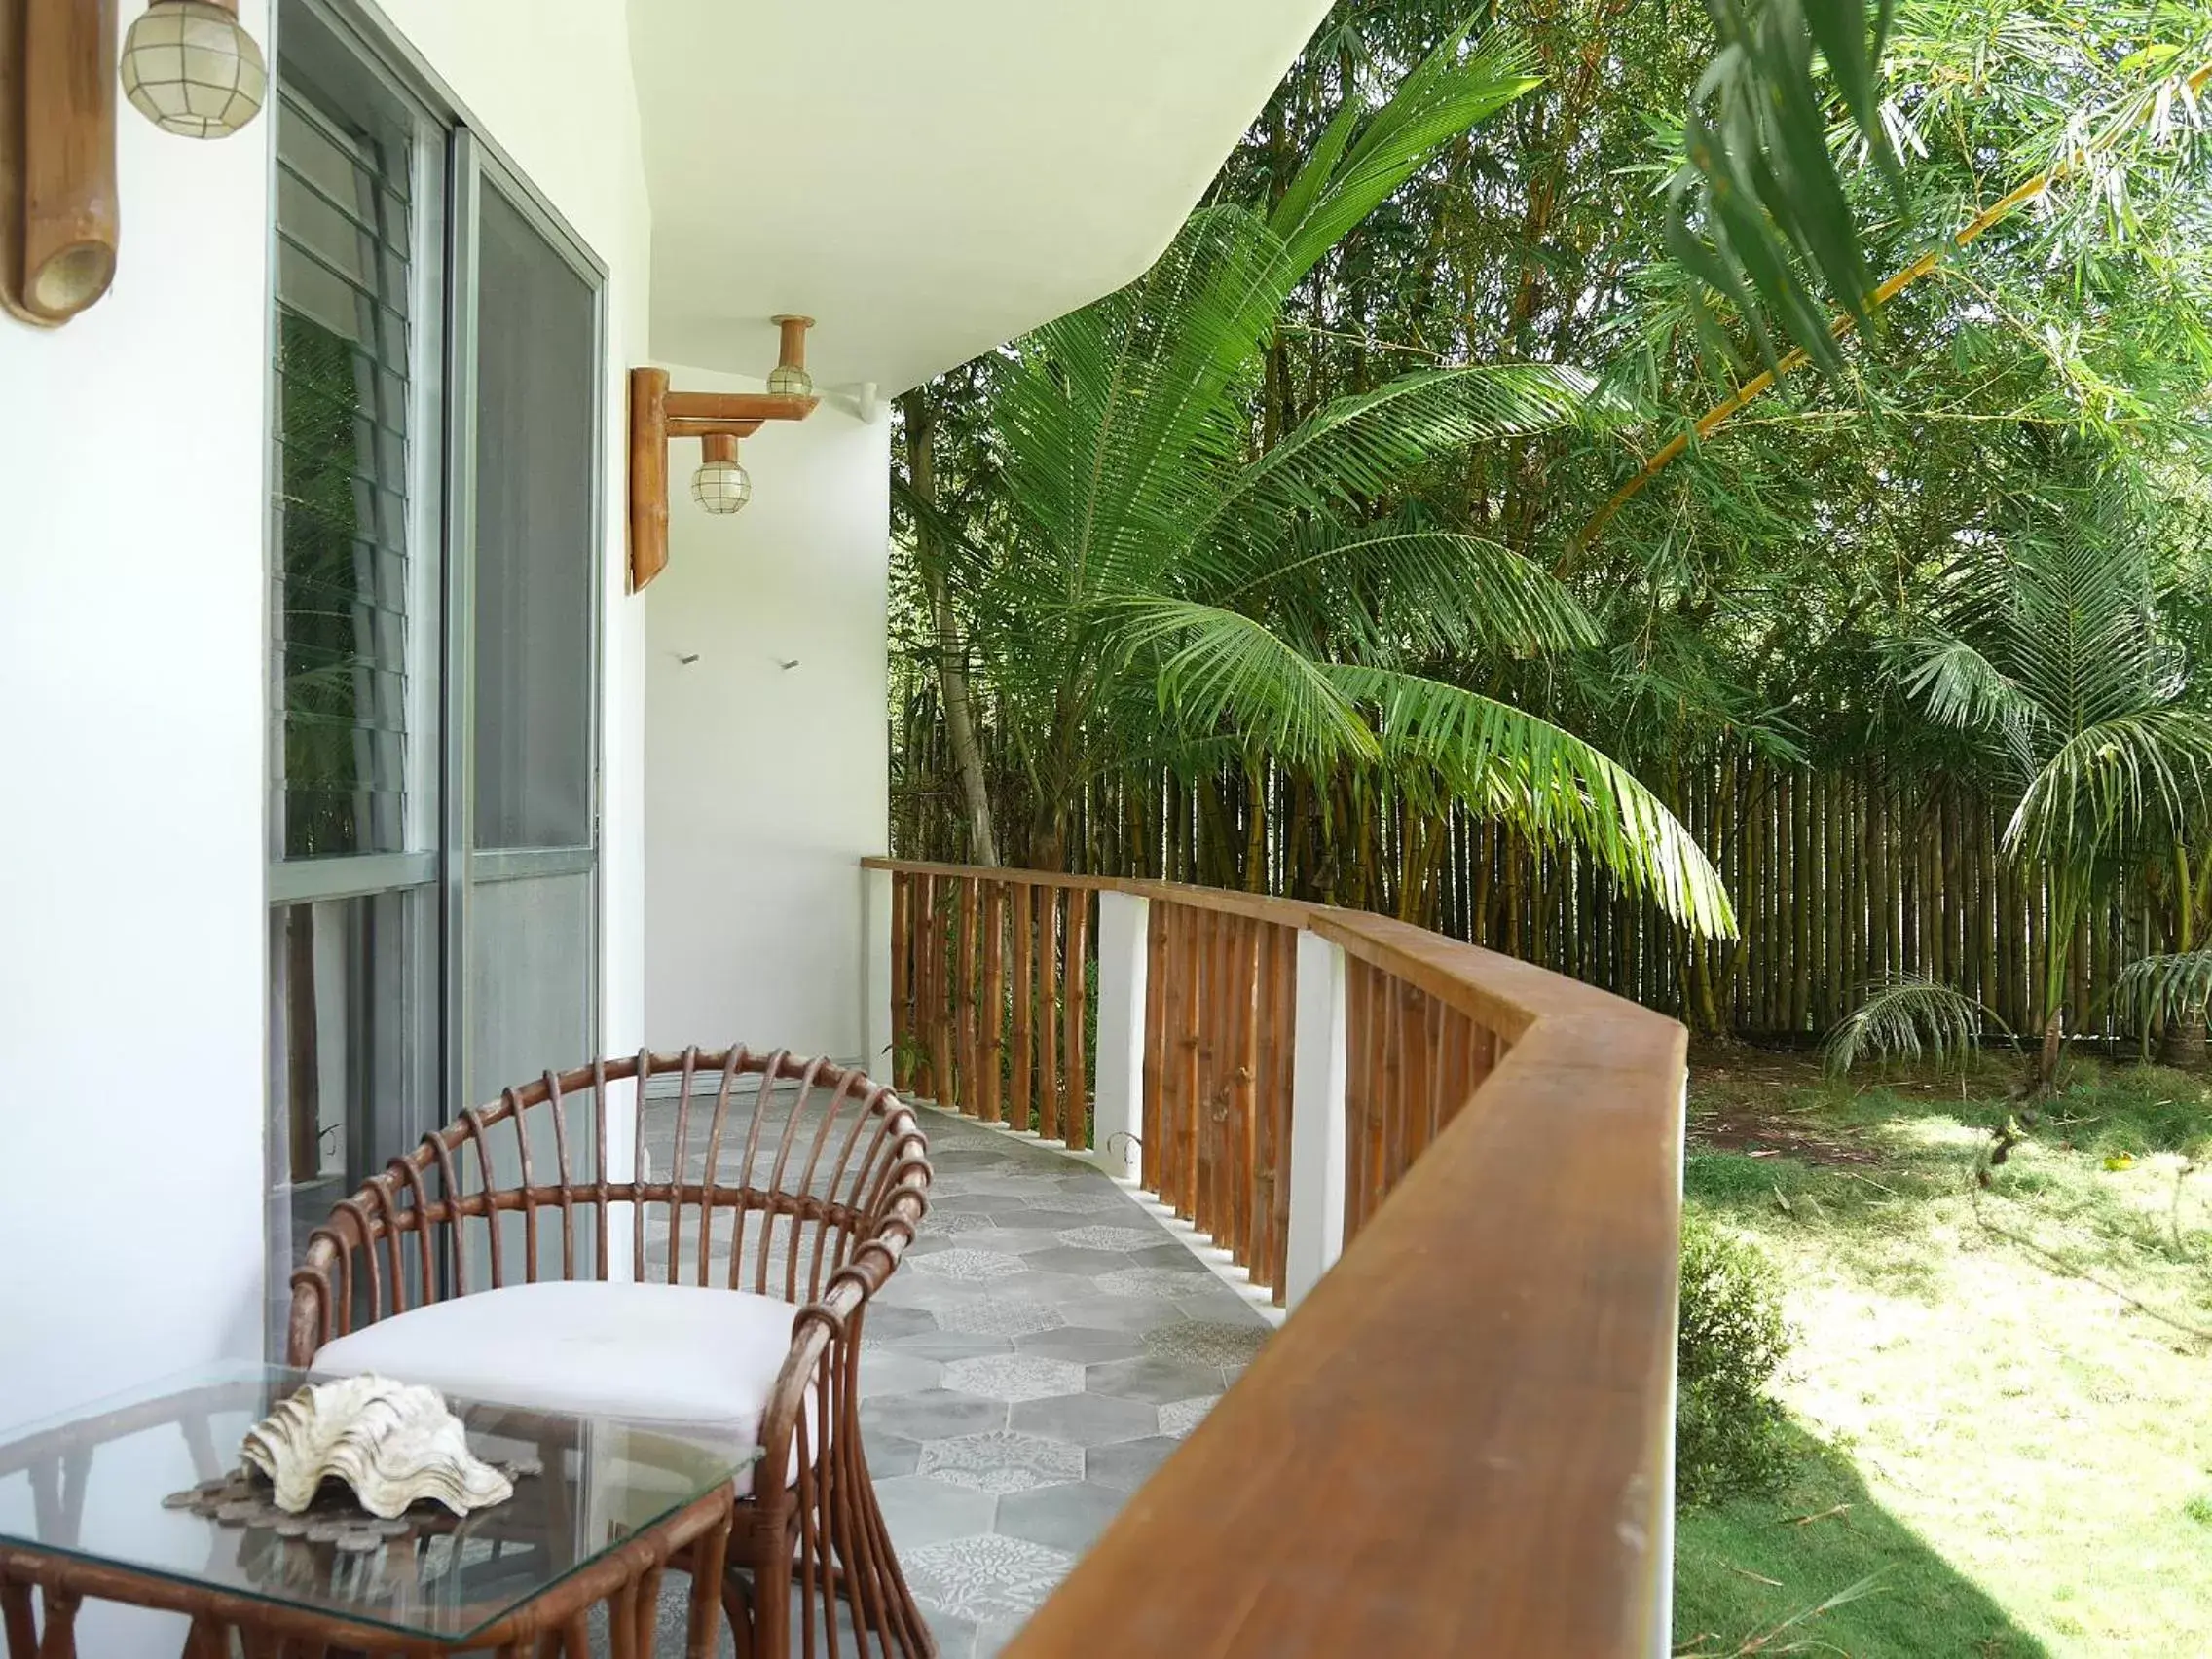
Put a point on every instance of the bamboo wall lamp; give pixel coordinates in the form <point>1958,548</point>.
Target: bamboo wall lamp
<point>189,66</point>
<point>717,419</point>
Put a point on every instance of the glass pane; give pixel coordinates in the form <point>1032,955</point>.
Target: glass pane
<point>344,580</point>
<point>536,386</point>
<point>352,1011</point>
<point>91,1488</point>
<point>529,978</point>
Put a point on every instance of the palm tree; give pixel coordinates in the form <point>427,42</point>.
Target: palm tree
<point>2054,656</point>
<point>1161,583</point>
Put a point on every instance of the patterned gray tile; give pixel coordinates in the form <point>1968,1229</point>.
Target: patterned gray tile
<point>1014,1240</point>
<point>1096,1198</point>
<point>1168,1254</point>
<point>934,1414</point>
<point>941,1222</point>
<point>1153,1281</point>
<point>1086,1419</point>
<point>1013,1376</point>
<point>1048,1212</point>
<point>986,1577</point>
<point>1207,1342</point>
<point>1064,1517</point>
<point>1001,1461</point>
<point>1177,1417</point>
<point>1152,1379</point>
<point>1100,1237</point>
<point>1127,1465</point>
<point>999,1317</point>
<point>963,1262</point>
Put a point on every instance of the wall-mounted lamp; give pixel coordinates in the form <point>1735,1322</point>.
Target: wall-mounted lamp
<point>789,378</point>
<point>190,67</point>
<point>188,64</point>
<point>717,419</point>
<point>720,485</point>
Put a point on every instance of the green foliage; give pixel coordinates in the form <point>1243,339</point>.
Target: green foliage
<point>1910,1018</point>
<point>1731,1435</point>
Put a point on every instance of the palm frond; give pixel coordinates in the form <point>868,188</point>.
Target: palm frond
<point>1212,666</point>
<point>1439,590</point>
<point>1906,1018</point>
<point>1366,443</point>
<point>1546,782</point>
<point>2177,985</point>
<point>2103,784</point>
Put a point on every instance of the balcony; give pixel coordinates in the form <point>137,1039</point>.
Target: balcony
<point>1168,1112</point>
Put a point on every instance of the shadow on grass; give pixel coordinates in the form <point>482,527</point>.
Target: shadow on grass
<point>1742,1570</point>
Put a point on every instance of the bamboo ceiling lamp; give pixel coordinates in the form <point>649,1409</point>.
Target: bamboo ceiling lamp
<point>717,419</point>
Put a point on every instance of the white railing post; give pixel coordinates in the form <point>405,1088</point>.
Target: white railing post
<point>875,973</point>
<point>1125,924</point>
<point>1317,1119</point>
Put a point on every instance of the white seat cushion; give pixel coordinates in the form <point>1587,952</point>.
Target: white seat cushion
<point>661,1353</point>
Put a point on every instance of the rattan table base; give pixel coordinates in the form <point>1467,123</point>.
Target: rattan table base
<point>41,1592</point>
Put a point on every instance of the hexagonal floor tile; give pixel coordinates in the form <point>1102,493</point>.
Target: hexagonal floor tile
<point>1206,1343</point>
<point>1177,1417</point>
<point>943,1221</point>
<point>1152,1378</point>
<point>921,1511</point>
<point>986,1577</point>
<point>1160,1282</point>
<point>999,1317</point>
<point>964,1263</point>
<point>1013,1376</point>
<point>1127,1465</point>
<point>933,1414</point>
<point>1064,1517</point>
<point>1084,1420</point>
<point>1097,1238</point>
<point>887,1371</point>
<point>1083,1346</point>
<point>1001,1461</point>
<point>1088,1200</point>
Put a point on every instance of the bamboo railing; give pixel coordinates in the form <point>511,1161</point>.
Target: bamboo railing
<point>1460,1440</point>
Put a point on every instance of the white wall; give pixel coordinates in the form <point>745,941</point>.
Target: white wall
<point>764,785</point>
<point>132,615</point>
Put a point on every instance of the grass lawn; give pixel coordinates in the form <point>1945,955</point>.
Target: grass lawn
<point>2006,1394</point>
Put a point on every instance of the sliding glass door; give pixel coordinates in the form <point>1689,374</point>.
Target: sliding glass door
<point>436,512</point>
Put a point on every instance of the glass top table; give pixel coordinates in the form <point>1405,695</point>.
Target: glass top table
<point>91,1488</point>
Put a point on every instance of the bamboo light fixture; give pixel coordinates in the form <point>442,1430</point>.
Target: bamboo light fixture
<point>188,66</point>
<point>717,419</point>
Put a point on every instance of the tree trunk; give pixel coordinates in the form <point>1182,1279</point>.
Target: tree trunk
<point>951,649</point>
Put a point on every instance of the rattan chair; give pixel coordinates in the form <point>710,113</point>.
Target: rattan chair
<point>794,1188</point>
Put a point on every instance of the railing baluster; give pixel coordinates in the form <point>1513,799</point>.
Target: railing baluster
<point>1049,1013</point>
<point>1022,1107</point>
<point>991,1054</point>
<point>1075,1064</point>
<point>902,980</point>
<point>1156,1005</point>
<point>968,1091</point>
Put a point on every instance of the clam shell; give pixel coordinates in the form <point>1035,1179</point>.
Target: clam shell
<point>392,1443</point>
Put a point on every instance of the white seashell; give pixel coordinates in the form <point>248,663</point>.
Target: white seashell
<point>392,1443</point>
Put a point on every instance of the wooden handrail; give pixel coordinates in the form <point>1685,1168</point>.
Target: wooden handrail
<point>1460,1442</point>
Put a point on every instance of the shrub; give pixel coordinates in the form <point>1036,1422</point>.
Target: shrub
<point>1731,1436</point>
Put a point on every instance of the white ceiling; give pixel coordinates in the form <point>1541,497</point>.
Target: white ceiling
<point>927,178</point>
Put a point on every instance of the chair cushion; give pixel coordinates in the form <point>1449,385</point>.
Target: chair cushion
<point>661,1353</point>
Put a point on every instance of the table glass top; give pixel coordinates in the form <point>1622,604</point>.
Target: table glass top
<point>93,1486</point>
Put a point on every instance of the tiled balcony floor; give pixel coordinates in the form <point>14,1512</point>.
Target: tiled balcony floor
<point>1043,1345</point>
